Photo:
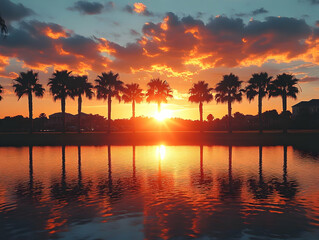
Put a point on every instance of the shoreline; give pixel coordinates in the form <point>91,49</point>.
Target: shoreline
<point>303,138</point>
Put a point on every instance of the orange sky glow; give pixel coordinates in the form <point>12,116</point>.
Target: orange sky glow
<point>181,51</point>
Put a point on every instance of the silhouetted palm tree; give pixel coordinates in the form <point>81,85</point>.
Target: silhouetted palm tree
<point>108,85</point>
<point>158,92</point>
<point>284,86</point>
<point>1,91</point>
<point>26,84</point>
<point>228,90</point>
<point>60,87</point>
<point>258,85</point>
<point>3,27</point>
<point>81,86</point>
<point>133,93</point>
<point>200,93</point>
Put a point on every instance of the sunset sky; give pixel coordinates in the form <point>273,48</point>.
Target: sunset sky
<point>181,41</point>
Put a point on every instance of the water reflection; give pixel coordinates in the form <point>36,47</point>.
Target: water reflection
<point>287,189</point>
<point>260,188</point>
<point>31,189</point>
<point>158,192</point>
<point>230,186</point>
<point>203,180</point>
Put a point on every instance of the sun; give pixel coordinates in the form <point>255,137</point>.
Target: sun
<point>162,115</point>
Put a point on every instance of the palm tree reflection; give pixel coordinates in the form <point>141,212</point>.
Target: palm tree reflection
<point>32,189</point>
<point>70,190</point>
<point>286,189</point>
<point>260,189</point>
<point>113,190</point>
<point>202,180</point>
<point>232,187</point>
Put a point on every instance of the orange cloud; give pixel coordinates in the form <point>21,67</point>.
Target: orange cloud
<point>139,7</point>
<point>39,45</point>
<point>189,45</point>
<point>55,35</point>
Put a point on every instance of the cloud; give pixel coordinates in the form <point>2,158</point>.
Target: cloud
<point>91,8</point>
<point>14,11</point>
<point>40,45</point>
<point>138,8</point>
<point>185,46</point>
<point>134,33</point>
<point>308,79</point>
<point>259,11</point>
<point>313,1</point>
<point>176,47</point>
<point>252,13</point>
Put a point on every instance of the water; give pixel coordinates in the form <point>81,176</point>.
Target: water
<point>158,192</point>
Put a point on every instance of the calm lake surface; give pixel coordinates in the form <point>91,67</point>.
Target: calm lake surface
<point>158,192</point>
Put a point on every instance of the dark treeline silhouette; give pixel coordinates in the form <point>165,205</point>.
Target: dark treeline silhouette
<point>63,85</point>
<point>96,123</point>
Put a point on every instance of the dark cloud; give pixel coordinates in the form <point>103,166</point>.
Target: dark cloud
<point>14,11</point>
<point>40,45</point>
<point>252,13</point>
<point>134,33</point>
<point>259,11</point>
<point>91,8</point>
<point>308,79</point>
<point>178,44</point>
<point>128,8</point>
<point>313,1</point>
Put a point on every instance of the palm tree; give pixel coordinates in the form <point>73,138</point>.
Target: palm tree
<point>108,86</point>
<point>258,85</point>
<point>60,87</point>
<point>158,91</point>
<point>199,93</point>
<point>228,90</point>
<point>133,93</point>
<point>284,86</point>
<point>81,86</point>
<point>1,91</point>
<point>27,84</point>
<point>3,26</point>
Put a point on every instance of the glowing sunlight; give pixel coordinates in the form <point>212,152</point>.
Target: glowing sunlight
<point>162,115</point>
<point>161,151</point>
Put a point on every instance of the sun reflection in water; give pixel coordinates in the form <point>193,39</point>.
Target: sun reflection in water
<point>161,151</point>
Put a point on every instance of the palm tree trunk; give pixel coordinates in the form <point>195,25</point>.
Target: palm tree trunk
<point>284,103</point>
<point>260,113</point>
<point>133,114</point>
<point>63,114</point>
<point>30,111</point>
<point>79,113</point>
<point>229,117</point>
<point>109,104</point>
<point>159,107</point>
<point>201,116</point>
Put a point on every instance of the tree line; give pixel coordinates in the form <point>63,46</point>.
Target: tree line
<point>108,86</point>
